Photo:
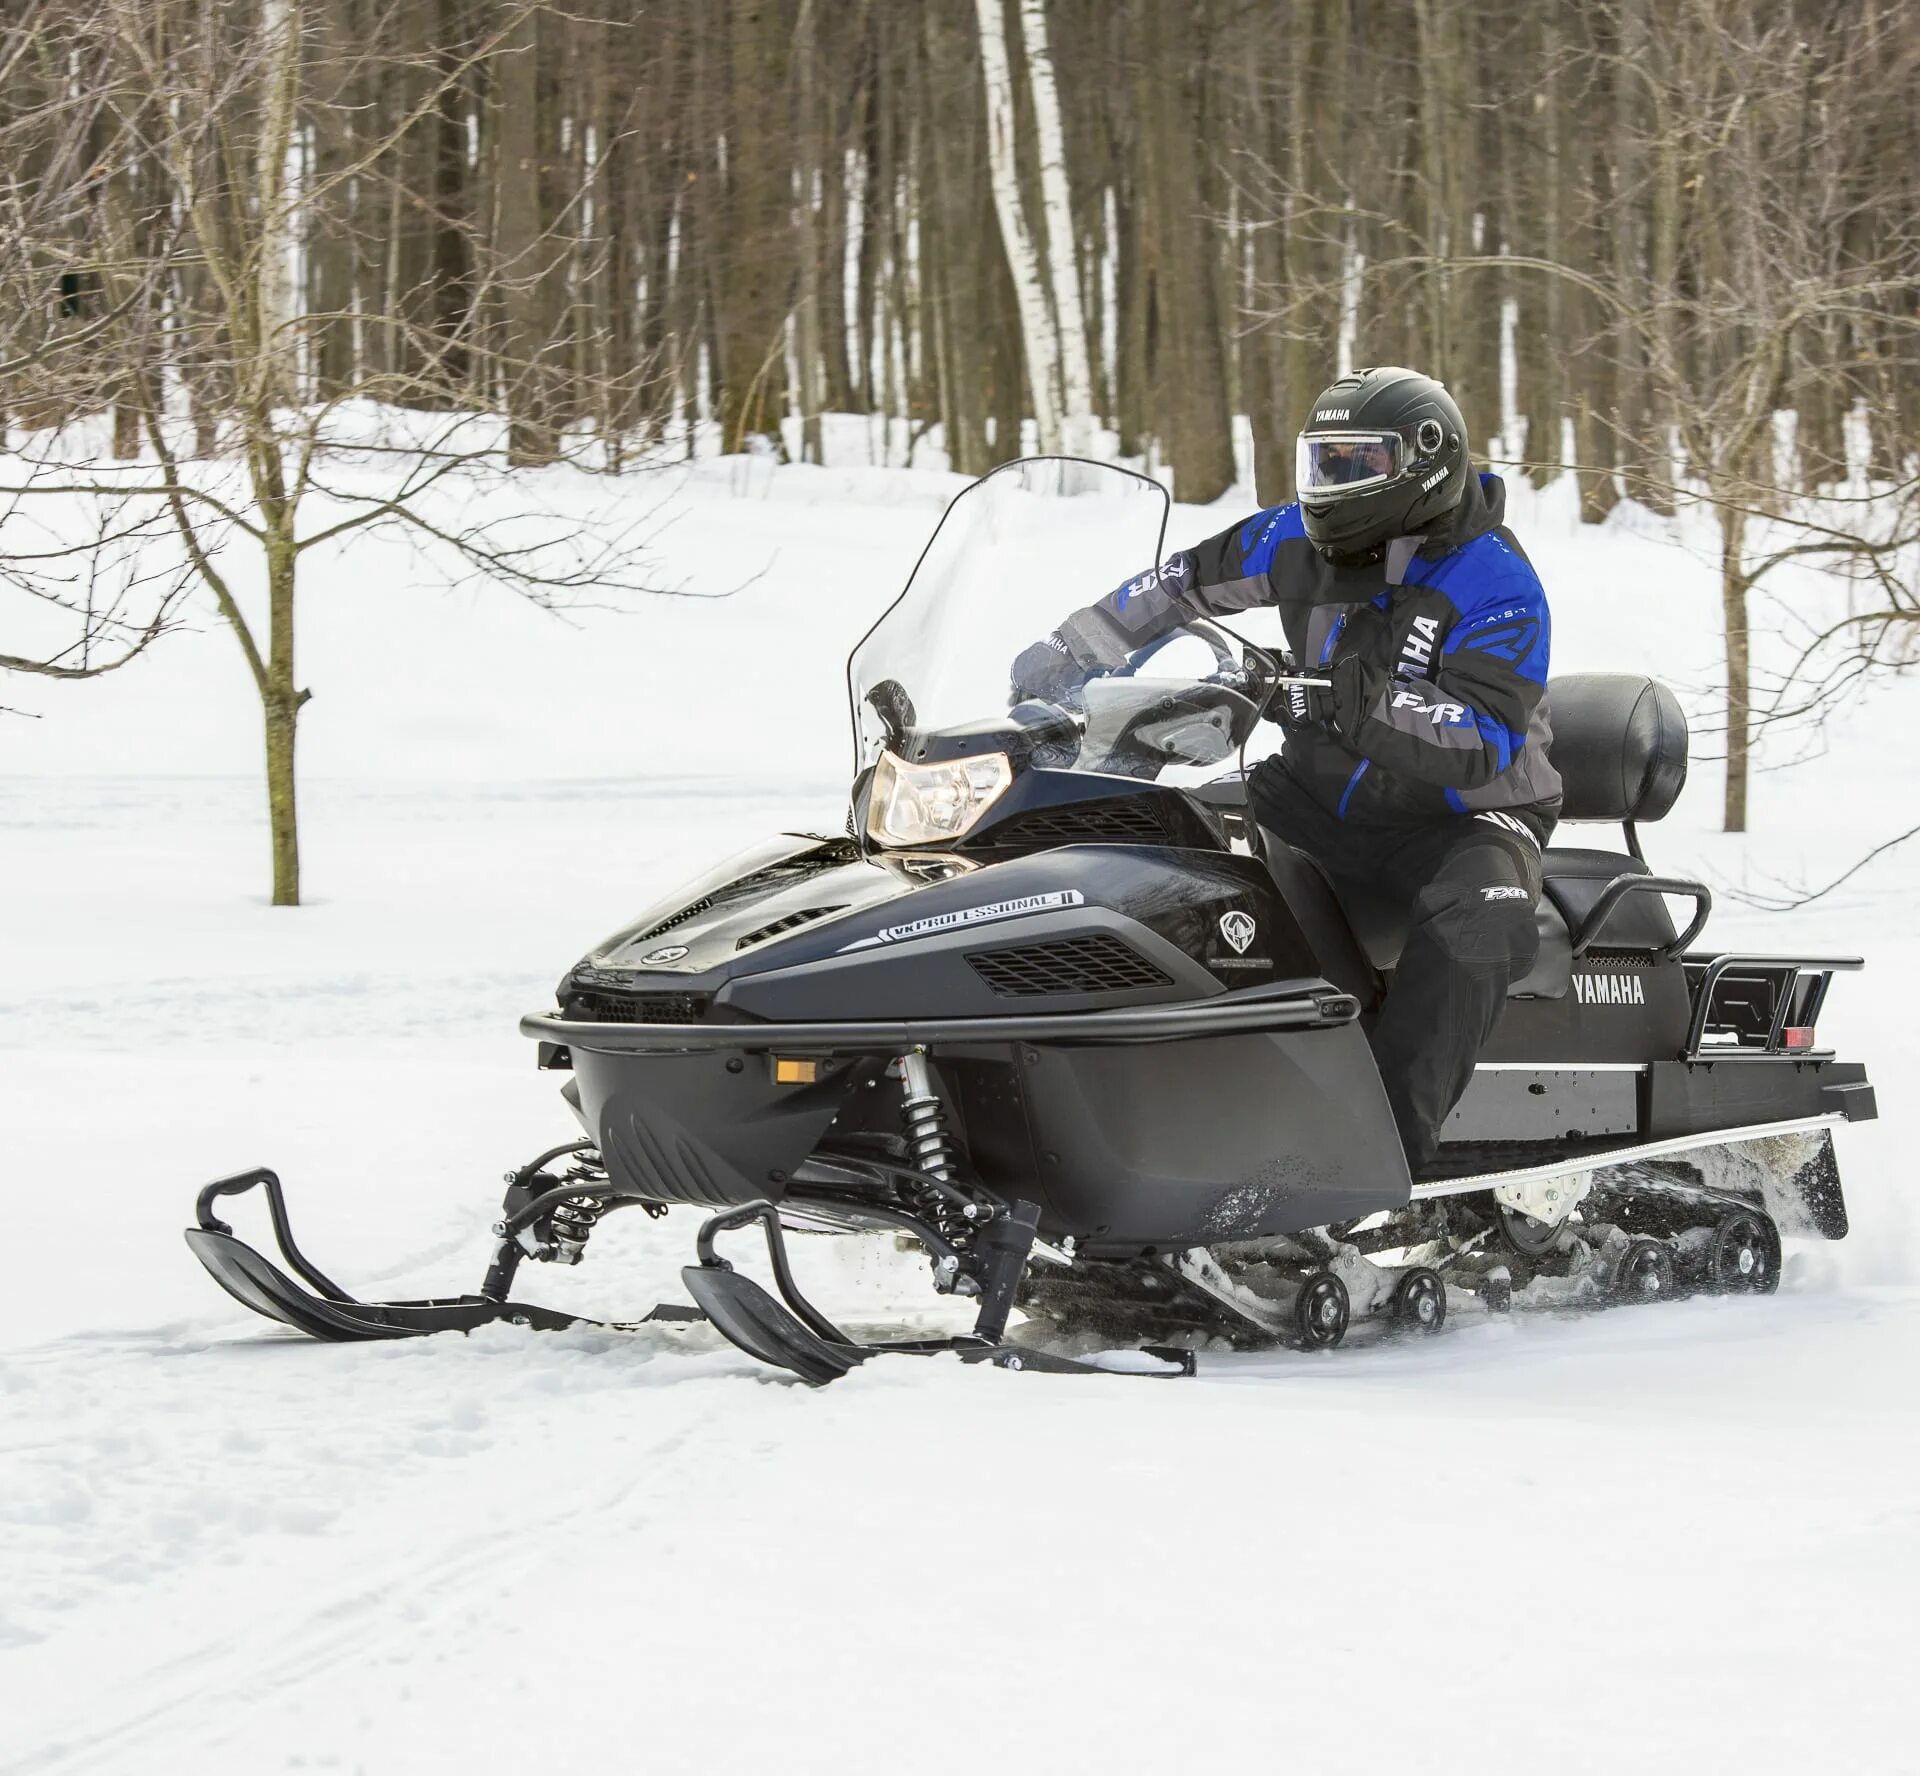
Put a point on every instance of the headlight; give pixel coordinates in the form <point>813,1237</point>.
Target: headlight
<point>932,804</point>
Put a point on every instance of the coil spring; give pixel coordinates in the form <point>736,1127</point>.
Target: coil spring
<point>927,1137</point>
<point>572,1221</point>
<point>590,1169</point>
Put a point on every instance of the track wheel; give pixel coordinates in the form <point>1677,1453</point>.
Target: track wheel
<point>1745,1255</point>
<point>1645,1273</point>
<point>1420,1302</point>
<point>1321,1311</point>
<point>1526,1237</point>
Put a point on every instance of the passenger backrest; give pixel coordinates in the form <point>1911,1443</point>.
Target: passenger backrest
<point>1619,744</point>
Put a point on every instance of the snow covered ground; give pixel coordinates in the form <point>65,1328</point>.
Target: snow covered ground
<point>1684,1537</point>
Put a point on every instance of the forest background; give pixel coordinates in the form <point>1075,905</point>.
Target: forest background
<point>1667,249</point>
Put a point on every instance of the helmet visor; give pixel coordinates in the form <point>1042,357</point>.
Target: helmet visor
<point>1329,464</point>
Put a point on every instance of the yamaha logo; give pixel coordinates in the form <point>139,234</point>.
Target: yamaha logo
<point>1609,989</point>
<point>672,953</point>
<point>1238,930</point>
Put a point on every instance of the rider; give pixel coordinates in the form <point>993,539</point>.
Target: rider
<point>1420,779</point>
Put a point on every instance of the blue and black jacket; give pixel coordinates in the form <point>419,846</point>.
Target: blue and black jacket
<point>1452,634</point>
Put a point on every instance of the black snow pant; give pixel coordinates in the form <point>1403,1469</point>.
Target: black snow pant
<point>1463,889</point>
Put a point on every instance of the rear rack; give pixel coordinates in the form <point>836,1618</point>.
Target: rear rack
<point>1798,985</point>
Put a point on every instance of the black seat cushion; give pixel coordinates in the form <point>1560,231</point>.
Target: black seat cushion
<point>1575,880</point>
<point>1619,744</point>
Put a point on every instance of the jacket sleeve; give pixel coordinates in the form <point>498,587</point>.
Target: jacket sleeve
<point>1224,574</point>
<point>1465,724</point>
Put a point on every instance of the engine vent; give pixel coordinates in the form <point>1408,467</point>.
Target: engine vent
<point>1633,961</point>
<point>703,904</point>
<point>792,922</point>
<point>1097,964</point>
<point>1116,822</point>
<point>774,875</point>
<point>635,1008</point>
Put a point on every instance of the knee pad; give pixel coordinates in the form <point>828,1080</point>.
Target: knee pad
<point>1487,927</point>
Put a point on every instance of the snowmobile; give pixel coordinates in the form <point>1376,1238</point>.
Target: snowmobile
<point>1056,1011</point>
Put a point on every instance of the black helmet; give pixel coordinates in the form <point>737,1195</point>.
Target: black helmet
<point>1383,454</point>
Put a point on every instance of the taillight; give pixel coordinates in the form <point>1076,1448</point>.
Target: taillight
<point>1797,1036</point>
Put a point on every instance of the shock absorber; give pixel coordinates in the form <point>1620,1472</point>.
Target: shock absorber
<point>927,1137</point>
<point>949,1213</point>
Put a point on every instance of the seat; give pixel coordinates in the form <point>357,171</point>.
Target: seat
<point>1620,746</point>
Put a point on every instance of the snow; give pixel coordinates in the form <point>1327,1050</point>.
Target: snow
<point>1678,1537</point>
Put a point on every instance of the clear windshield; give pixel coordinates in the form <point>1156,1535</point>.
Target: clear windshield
<point>1014,554</point>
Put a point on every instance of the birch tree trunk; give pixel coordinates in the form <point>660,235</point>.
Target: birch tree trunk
<point>1057,212</point>
<point>1036,323</point>
<point>278,199</point>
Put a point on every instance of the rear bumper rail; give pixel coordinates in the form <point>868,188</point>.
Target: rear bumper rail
<point>1785,972</point>
<point>1314,1007</point>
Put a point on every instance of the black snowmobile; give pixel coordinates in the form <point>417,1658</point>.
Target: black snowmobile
<point>1054,1009</point>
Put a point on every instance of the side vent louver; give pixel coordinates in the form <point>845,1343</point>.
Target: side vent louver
<point>1098,964</point>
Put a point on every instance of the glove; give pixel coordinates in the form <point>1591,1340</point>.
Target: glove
<point>1299,708</point>
<point>1341,705</point>
<point>1356,689</point>
<point>1048,672</point>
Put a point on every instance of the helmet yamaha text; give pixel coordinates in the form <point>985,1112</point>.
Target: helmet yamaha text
<point>1383,454</point>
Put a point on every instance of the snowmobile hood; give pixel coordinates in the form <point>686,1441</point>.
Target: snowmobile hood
<point>827,933</point>
<point>765,894</point>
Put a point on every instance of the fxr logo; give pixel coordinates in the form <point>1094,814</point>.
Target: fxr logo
<point>1450,715</point>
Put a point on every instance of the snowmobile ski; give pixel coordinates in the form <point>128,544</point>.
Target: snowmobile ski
<point>326,1311</point>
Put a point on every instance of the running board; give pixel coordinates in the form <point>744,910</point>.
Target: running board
<point>1613,1156</point>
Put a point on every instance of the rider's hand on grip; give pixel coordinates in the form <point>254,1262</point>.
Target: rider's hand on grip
<point>1302,706</point>
<point>1356,688</point>
<point>1047,671</point>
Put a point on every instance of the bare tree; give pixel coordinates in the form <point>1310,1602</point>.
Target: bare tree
<point>235,228</point>
<point>88,582</point>
<point>213,99</point>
